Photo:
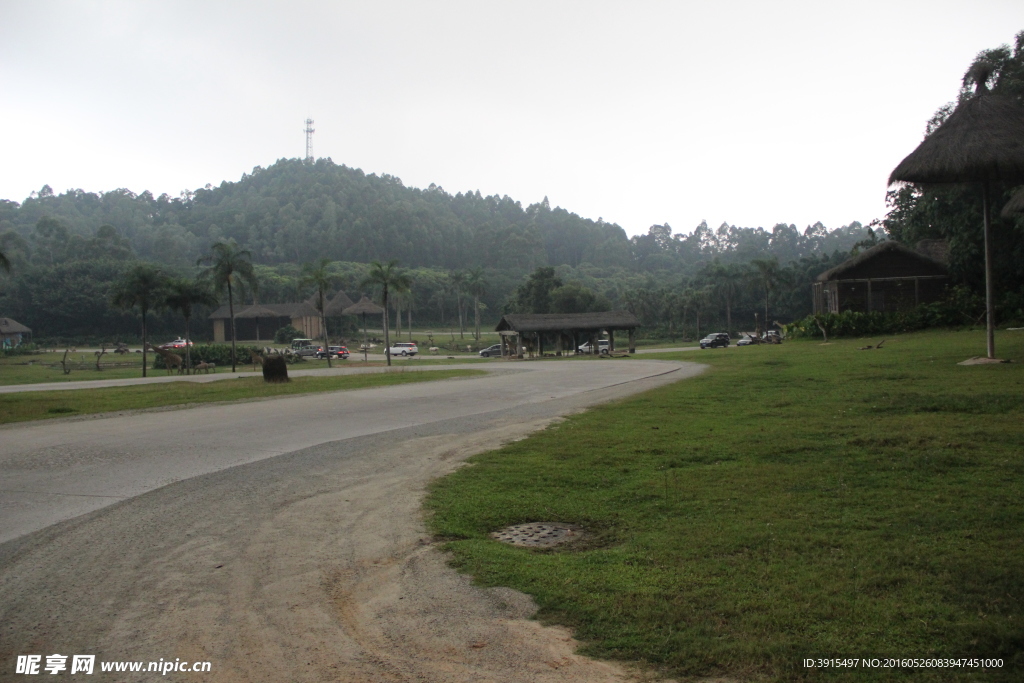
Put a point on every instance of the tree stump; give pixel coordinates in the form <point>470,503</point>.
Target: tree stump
<point>275,369</point>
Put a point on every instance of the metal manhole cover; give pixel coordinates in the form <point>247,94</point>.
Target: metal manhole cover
<point>538,534</point>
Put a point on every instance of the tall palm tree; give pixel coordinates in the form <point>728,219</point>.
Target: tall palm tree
<point>229,267</point>
<point>457,282</point>
<point>726,282</point>
<point>182,294</point>
<point>476,285</point>
<point>388,278</point>
<point>766,274</point>
<point>315,275</point>
<point>142,287</point>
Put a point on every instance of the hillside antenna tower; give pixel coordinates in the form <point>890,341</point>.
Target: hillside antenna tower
<point>309,139</point>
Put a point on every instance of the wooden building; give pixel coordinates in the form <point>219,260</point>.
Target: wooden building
<point>887,277</point>
<point>12,333</point>
<point>261,321</point>
<point>563,332</point>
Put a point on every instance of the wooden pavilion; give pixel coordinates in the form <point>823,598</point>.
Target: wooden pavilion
<point>887,277</point>
<point>526,332</point>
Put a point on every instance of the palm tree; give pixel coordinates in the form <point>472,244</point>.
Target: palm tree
<point>142,287</point>
<point>726,281</point>
<point>388,278</point>
<point>477,286</point>
<point>766,275</point>
<point>229,266</point>
<point>315,275</point>
<point>457,283</point>
<point>182,294</point>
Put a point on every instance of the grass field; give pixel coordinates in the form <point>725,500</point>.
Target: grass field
<point>45,367</point>
<point>795,501</point>
<point>38,405</point>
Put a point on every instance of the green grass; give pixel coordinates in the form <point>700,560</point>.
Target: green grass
<point>802,500</point>
<point>38,405</point>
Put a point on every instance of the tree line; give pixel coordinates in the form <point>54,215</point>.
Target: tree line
<point>468,258</point>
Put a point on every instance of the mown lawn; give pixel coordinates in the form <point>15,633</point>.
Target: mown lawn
<point>798,501</point>
<point>38,405</point>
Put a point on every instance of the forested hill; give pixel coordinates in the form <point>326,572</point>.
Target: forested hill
<point>295,212</point>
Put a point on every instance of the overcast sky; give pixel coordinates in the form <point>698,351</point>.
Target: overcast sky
<point>753,113</point>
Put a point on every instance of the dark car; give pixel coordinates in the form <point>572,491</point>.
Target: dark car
<point>715,339</point>
<point>334,352</point>
<point>494,350</point>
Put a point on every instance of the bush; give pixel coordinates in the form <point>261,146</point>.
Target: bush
<point>24,349</point>
<point>218,354</point>
<point>286,334</point>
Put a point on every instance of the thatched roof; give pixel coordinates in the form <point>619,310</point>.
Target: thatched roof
<point>297,310</point>
<point>257,311</point>
<point>1015,205</point>
<point>874,252</point>
<point>982,140</point>
<point>364,306</point>
<point>548,322</point>
<point>10,326</point>
<point>337,304</point>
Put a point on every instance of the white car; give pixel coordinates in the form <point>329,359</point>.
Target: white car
<point>603,347</point>
<point>403,349</point>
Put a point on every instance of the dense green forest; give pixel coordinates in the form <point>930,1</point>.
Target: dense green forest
<point>65,251</point>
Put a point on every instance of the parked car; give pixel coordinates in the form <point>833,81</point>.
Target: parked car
<point>491,351</point>
<point>308,350</point>
<point>715,339</point>
<point>603,347</point>
<point>177,344</point>
<point>403,349</point>
<point>746,340</point>
<point>333,352</point>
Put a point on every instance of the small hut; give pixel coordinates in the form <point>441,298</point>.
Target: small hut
<point>12,333</point>
<point>362,309</point>
<point>563,330</point>
<point>887,277</point>
<point>981,142</point>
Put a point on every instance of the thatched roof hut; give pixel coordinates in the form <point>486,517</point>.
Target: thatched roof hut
<point>364,307</point>
<point>887,277</point>
<point>12,332</point>
<point>981,141</point>
<point>301,316</point>
<point>337,304</point>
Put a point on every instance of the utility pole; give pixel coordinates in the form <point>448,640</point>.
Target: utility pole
<point>309,140</point>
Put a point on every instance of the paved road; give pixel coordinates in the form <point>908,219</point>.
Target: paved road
<point>56,470</point>
<point>282,539</point>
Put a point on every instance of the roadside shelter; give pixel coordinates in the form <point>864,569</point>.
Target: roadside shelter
<point>527,332</point>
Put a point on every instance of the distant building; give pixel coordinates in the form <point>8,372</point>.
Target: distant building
<point>261,321</point>
<point>262,324</point>
<point>887,277</point>
<point>12,333</point>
